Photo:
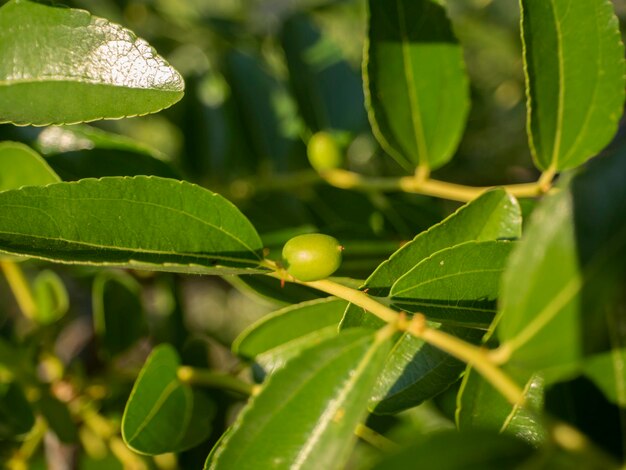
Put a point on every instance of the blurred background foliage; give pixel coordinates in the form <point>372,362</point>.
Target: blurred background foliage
<point>261,77</point>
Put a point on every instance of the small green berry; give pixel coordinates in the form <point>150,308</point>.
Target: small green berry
<point>323,152</point>
<point>312,257</point>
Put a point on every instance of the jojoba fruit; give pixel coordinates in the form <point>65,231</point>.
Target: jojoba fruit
<point>323,152</point>
<point>312,257</point>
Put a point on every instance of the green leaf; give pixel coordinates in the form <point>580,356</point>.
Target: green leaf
<point>163,414</point>
<point>562,287</point>
<point>81,151</point>
<point>480,406</point>
<point>608,372</point>
<point>74,67</point>
<point>457,285</point>
<point>118,314</point>
<point>539,323</point>
<point>16,415</point>
<point>417,90</point>
<point>328,91</point>
<point>574,64</point>
<point>142,223</point>
<point>493,215</point>
<point>278,337</point>
<point>415,372</point>
<point>307,412</point>
<point>261,99</point>
<point>22,166</point>
<point>51,297</point>
<point>478,450</point>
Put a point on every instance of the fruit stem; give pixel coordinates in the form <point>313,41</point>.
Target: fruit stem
<point>473,355</point>
<point>242,189</point>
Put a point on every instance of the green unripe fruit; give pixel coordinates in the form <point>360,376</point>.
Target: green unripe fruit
<point>323,152</point>
<point>312,257</point>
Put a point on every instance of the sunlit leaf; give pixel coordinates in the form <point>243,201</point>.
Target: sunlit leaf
<point>307,412</point>
<point>143,222</point>
<point>61,65</point>
<point>417,88</point>
<point>575,79</point>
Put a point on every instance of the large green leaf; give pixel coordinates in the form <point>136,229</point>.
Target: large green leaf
<point>283,334</point>
<point>494,215</point>
<point>307,412</point>
<point>480,406</point>
<point>22,166</point>
<point>478,450</point>
<point>562,287</point>
<point>457,285</point>
<point>163,414</point>
<point>142,222</point>
<point>60,65</point>
<point>540,323</point>
<point>416,87</point>
<point>575,79</point>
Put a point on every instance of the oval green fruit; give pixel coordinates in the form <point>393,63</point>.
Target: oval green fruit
<point>312,257</point>
<point>323,152</point>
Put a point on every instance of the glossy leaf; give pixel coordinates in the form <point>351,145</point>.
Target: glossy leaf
<point>565,278</point>
<point>494,215</point>
<point>608,372</point>
<point>283,334</point>
<point>22,166</point>
<point>118,314</point>
<point>163,414</point>
<point>51,297</point>
<point>307,412</point>
<point>415,372</point>
<point>74,67</point>
<point>416,87</point>
<point>478,450</point>
<point>574,64</point>
<point>143,222</point>
<point>457,285</point>
<point>480,406</point>
<point>16,415</point>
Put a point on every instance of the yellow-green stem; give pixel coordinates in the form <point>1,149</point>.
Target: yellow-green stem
<point>20,288</point>
<point>208,378</point>
<point>477,358</point>
<point>375,439</point>
<point>468,353</point>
